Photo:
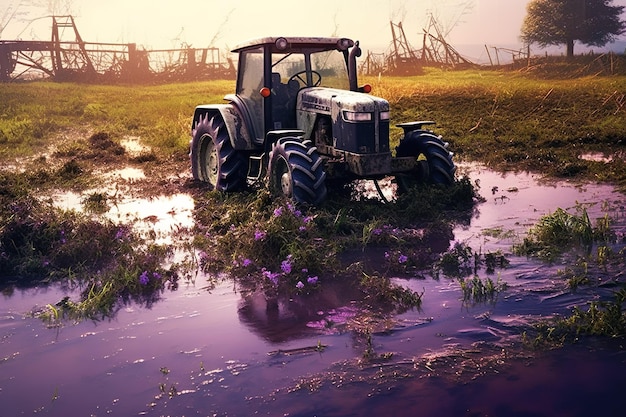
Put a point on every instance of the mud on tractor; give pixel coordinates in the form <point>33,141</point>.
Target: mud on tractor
<point>299,119</point>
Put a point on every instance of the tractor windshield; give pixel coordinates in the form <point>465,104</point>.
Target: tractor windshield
<point>312,68</point>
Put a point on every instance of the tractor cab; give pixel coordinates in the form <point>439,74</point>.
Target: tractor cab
<point>273,71</point>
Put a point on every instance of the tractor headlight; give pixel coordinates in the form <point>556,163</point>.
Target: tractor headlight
<point>351,116</point>
<point>384,115</point>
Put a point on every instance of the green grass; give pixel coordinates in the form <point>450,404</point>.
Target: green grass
<point>507,119</point>
<point>512,120</point>
<point>561,231</point>
<point>598,318</point>
<point>33,114</point>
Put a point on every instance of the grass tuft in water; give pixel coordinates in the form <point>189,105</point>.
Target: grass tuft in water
<point>560,231</point>
<point>477,290</point>
<point>381,289</point>
<point>599,318</point>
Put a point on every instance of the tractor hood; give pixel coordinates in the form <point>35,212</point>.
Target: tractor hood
<point>359,123</point>
<point>349,105</point>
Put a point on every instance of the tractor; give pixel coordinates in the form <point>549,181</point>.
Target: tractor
<point>299,120</point>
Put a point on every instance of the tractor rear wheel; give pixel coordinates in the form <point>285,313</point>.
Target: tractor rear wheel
<point>296,171</point>
<point>435,164</point>
<point>219,164</point>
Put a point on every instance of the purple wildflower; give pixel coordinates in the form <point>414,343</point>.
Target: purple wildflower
<point>144,278</point>
<point>278,212</point>
<point>121,233</point>
<point>402,259</point>
<point>285,265</point>
<point>302,228</point>
<point>307,219</point>
<point>387,255</point>
<point>156,276</point>
<point>63,240</point>
<point>259,235</point>
<point>312,280</point>
<point>272,276</point>
<point>299,285</point>
<point>377,232</point>
<point>246,262</point>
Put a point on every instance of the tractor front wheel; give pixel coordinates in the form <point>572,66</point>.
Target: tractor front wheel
<point>296,171</point>
<point>434,161</point>
<point>218,163</point>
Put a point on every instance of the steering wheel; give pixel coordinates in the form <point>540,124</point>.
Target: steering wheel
<point>302,81</point>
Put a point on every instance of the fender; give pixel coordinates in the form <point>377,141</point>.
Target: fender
<point>412,126</point>
<point>239,131</point>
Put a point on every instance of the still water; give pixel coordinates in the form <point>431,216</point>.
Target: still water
<point>206,349</point>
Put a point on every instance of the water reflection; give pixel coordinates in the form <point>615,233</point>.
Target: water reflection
<point>282,319</point>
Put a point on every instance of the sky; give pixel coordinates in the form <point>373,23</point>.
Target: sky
<point>158,24</point>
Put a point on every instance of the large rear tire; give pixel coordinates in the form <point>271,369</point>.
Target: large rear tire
<point>217,162</point>
<point>435,165</point>
<point>296,171</point>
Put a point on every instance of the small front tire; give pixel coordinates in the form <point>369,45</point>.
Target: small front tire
<point>296,171</point>
<point>434,161</point>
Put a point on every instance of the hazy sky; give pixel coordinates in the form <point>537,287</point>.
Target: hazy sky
<point>168,23</point>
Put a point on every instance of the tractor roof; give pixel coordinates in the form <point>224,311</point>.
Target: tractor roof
<point>283,43</point>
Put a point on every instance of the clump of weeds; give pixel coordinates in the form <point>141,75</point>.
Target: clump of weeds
<point>599,318</point>
<point>562,230</point>
<point>271,243</point>
<point>550,238</point>
<point>277,245</point>
<point>96,202</point>
<point>477,290</point>
<point>461,262</point>
<point>381,290</point>
<point>576,275</point>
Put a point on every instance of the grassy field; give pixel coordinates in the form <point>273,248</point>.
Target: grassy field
<point>507,119</point>
<point>517,122</point>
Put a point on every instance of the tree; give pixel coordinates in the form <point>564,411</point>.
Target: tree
<point>558,22</point>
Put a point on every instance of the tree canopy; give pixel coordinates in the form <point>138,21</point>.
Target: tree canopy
<point>558,22</point>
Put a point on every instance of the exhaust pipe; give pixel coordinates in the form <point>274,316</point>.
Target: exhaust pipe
<point>354,53</point>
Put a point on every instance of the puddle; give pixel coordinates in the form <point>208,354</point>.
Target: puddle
<point>127,174</point>
<point>157,217</point>
<point>217,351</point>
<point>161,215</point>
<point>602,157</point>
<point>133,146</point>
<point>515,201</point>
